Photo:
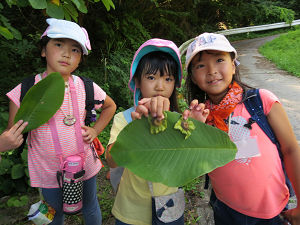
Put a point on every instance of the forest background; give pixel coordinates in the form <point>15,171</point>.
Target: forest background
<point>116,30</point>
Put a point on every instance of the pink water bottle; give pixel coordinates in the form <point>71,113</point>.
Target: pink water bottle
<point>72,184</point>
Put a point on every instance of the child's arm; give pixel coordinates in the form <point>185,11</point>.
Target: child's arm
<point>108,111</point>
<point>197,111</point>
<point>111,163</point>
<point>12,138</point>
<point>282,128</point>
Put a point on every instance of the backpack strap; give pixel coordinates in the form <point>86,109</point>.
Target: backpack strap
<point>254,106</point>
<point>26,84</point>
<point>90,102</point>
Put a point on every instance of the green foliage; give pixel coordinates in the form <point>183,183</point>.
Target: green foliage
<point>14,176</point>
<point>41,101</point>
<point>284,51</point>
<point>6,30</point>
<point>17,201</point>
<point>167,157</point>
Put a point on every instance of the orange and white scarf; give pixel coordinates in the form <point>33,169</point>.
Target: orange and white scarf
<point>219,113</point>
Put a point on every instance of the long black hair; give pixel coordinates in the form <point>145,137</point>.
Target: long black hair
<point>194,92</point>
<point>163,62</point>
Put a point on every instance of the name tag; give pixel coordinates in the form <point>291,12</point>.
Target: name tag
<point>247,148</point>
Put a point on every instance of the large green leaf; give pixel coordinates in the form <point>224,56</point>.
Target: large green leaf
<point>42,101</point>
<point>167,157</point>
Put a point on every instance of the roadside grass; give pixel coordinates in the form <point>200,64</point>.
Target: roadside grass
<point>284,51</point>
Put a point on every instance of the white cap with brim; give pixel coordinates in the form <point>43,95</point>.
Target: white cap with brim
<point>67,29</point>
<point>208,41</point>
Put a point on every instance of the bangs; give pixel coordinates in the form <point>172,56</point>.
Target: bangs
<point>157,61</point>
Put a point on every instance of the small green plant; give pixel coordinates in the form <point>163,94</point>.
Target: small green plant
<point>17,201</point>
<point>192,217</point>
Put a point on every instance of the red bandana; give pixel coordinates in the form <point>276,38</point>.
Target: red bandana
<point>219,113</point>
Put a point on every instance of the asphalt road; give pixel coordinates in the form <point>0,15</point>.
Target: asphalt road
<point>261,73</point>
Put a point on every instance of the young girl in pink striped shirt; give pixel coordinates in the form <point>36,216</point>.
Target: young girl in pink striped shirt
<point>63,44</point>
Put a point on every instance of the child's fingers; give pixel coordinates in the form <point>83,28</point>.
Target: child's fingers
<point>85,127</point>
<point>136,116</point>
<point>15,127</point>
<point>21,128</point>
<point>200,107</point>
<point>142,110</point>
<point>144,101</point>
<point>185,114</point>
<point>160,104</point>
<point>193,104</point>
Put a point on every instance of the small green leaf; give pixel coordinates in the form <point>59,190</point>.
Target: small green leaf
<point>156,125</point>
<point>17,171</point>
<point>38,4</point>
<point>108,4</point>
<point>80,5</point>
<point>185,126</point>
<point>55,11</point>
<point>5,166</point>
<point>6,33</point>
<point>70,10</point>
<point>42,101</point>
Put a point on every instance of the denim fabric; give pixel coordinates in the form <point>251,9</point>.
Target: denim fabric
<point>224,215</point>
<point>90,210</point>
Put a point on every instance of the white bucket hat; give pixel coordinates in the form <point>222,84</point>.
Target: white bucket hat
<point>67,29</point>
<point>208,41</point>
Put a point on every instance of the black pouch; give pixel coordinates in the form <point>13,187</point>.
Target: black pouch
<point>168,209</point>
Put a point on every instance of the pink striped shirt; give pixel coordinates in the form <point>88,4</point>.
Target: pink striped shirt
<point>42,160</point>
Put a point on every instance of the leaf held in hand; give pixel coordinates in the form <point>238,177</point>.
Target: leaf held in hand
<point>168,158</point>
<point>41,101</point>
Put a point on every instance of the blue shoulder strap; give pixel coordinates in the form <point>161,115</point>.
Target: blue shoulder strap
<point>254,106</point>
<point>127,114</point>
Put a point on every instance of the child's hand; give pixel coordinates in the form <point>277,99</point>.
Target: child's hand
<point>13,137</point>
<point>292,215</point>
<point>89,135</point>
<point>155,105</point>
<point>196,111</point>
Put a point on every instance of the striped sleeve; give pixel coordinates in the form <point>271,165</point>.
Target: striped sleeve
<point>14,95</point>
<point>99,94</point>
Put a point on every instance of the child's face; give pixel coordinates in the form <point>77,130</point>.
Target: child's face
<point>213,73</point>
<point>62,55</point>
<point>152,85</point>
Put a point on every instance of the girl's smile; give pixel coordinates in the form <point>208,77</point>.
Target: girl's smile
<point>212,72</point>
